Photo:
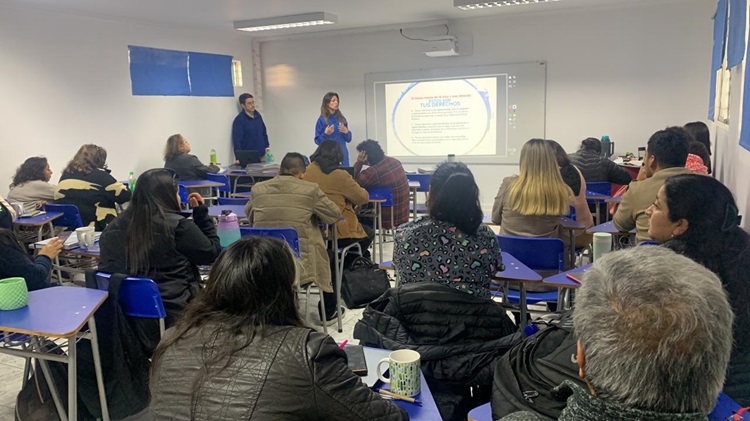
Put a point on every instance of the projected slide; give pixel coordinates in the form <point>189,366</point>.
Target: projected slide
<point>441,117</point>
<point>481,114</point>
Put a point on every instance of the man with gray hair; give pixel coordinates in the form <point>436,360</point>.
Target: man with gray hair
<point>654,335</point>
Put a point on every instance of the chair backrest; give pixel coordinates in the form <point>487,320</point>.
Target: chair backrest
<point>536,253</point>
<point>239,201</point>
<point>289,235</point>
<point>383,193</point>
<point>183,192</point>
<point>601,187</point>
<point>71,216</point>
<point>220,178</point>
<point>139,297</point>
<point>423,179</point>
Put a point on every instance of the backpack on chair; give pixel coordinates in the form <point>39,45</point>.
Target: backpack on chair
<point>527,373</point>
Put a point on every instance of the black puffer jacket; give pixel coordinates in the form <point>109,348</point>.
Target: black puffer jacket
<point>457,335</point>
<point>595,167</point>
<point>291,373</point>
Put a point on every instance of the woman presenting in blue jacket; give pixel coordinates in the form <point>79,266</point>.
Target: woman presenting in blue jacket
<point>332,125</point>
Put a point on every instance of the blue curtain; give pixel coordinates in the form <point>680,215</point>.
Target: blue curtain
<point>158,72</point>
<point>210,75</point>
<point>736,41</point>
<point>745,131</point>
<point>717,57</point>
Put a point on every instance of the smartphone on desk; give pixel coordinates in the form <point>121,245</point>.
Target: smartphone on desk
<point>355,356</point>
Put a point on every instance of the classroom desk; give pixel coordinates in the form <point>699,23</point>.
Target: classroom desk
<point>517,272</point>
<point>377,202</point>
<point>58,312</point>
<point>215,211</point>
<point>608,227</point>
<point>561,280</point>
<point>598,198</point>
<point>200,184</point>
<point>571,225</point>
<point>481,413</point>
<point>413,190</point>
<point>428,411</point>
<point>38,221</point>
<point>252,171</point>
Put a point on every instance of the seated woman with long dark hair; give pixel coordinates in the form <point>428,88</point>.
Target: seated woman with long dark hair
<point>151,239</point>
<point>15,261</point>
<point>697,216</point>
<point>450,245</point>
<point>241,351</point>
<point>31,185</point>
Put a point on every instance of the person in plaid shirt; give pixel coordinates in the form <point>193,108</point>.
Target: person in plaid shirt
<point>384,171</point>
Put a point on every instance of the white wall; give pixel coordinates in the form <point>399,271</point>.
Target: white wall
<point>625,72</point>
<point>65,81</point>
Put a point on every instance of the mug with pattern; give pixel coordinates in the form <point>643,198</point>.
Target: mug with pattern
<point>403,366</point>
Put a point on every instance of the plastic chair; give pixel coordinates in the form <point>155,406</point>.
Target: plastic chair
<point>725,409</point>
<point>227,201</point>
<point>71,216</point>
<point>288,235</point>
<point>224,190</point>
<point>601,187</point>
<point>182,191</point>
<point>424,181</point>
<point>383,193</point>
<point>539,254</point>
<point>139,297</point>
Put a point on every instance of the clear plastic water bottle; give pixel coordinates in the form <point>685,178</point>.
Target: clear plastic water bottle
<point>213,156</point>
<point>269,155</point>
<point>131,182</point>
<point>229,228</point>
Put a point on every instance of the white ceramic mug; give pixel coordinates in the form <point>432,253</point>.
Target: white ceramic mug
<point>403,366</point>
<point>602,244</point>
<point>86,237</point>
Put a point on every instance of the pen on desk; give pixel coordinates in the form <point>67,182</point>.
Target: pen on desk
<point>400,397</point>
<point>343,344</point>
<point>569,276</point>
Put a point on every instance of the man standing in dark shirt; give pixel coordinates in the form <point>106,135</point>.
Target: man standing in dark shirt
<point>248,129</point>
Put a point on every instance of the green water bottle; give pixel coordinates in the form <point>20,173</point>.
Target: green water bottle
<point>269,155</point>
<point>213,156</point>
<point>131,182</point>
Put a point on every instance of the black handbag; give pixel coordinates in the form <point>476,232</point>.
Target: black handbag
<point>363,282</point>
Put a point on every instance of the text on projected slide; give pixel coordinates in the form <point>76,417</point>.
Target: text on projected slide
<point>440,117</point>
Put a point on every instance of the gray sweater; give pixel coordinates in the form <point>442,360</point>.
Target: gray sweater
<point>31,193</point>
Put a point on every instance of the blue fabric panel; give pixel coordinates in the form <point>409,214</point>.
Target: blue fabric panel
<point>745,130</point>
<point>717,56</point>
<point>736,42</point>
<point>158,72</point>
<point>210,75</point>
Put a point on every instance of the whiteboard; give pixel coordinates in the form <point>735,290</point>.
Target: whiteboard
<point>506,110</point>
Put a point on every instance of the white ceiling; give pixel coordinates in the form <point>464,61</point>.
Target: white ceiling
<point>219,14</point>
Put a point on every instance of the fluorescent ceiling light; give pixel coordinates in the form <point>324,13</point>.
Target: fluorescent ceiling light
<point>473,4</point>
<point>284,22</point>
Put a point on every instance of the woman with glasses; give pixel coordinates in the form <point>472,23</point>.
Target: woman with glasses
<point>152,239</point>
<point>697,216</point>
<point>87,184</point>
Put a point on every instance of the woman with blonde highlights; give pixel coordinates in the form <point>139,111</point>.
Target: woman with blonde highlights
<point>531,203</point>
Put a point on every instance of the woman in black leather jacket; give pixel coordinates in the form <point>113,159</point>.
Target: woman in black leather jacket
<point>241,351</point>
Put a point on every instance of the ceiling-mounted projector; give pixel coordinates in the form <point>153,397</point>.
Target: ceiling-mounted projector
<point>442,46</point>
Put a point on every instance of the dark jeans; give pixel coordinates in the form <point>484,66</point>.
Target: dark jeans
<point>330,297</point>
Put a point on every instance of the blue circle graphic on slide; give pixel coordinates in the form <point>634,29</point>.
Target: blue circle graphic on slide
<point>424,123</point>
